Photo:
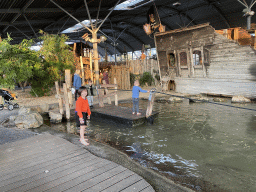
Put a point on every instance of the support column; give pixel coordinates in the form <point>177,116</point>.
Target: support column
<point>96,57</point>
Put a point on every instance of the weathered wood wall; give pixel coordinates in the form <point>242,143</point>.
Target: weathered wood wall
<point>225,67</point>
<point>141,66</point>
<point>122,75</point>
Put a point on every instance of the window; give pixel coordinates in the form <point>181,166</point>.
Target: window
<point>171,60</point>
<point>197,58</point>
<point>183,59</point>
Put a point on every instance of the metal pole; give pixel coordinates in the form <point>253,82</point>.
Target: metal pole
<point>29,25</point>
<point>108,15</point>
<point>71,16</point>
<point>249,18</point>
<point>88,12</point>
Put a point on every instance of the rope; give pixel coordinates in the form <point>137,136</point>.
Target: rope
<point>210,102</point>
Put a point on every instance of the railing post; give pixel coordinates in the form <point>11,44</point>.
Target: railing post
<point>151,99</point>
<point>116,99</point>
<point>59,97</point>
<point>66,101</point>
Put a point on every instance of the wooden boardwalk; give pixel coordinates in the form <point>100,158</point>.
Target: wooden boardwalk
<point>49,163</point>
<point>121,115</point>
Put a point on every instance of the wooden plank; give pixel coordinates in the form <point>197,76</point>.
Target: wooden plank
<point>84,178</point>
<point>29,177</point>
<point>138,186</point>
<point>66,101</point>
<point>75,170</point>
<point>59,97</point>
<point>116,98</point>
<point>97,179</point>
<point>68,83</point>
<point>64,167</point>
<point>109,184</point>
<point>61,181</point>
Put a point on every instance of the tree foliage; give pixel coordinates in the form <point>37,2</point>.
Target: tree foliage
<point>17,62</point>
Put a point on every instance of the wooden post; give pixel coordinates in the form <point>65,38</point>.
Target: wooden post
<point>255,39</point>
<point>91,65</point>
<point>66,101</point>
<point>68,83</point>
<point>202,55</point>
<point>59,97</point>
<point>236,34</point>
<point>1,100</point>
<point>106,91</point>
<point>116,99</point>
<point>150,103</point>
<point>82,69</point>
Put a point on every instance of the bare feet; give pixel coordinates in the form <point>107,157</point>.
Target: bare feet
<point>84,142</point>
<point>138,113</point>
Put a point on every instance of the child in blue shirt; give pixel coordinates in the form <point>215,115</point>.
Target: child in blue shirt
<point>135,96</point>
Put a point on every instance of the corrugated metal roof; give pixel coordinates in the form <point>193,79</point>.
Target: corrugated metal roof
<point>45,15</point>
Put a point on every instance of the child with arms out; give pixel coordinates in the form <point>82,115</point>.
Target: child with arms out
<point>135,96</point>
<point>82,113</point>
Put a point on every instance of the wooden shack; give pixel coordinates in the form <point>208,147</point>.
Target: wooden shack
<point>83,59</point>
<point>199,59</point>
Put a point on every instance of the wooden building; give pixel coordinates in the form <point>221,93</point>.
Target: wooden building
<point>83,59</point>
<point>200,59</point>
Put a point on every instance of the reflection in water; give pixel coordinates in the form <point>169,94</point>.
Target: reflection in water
<point>203,146</point>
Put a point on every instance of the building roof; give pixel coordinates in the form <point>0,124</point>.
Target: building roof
<point>24,18</point>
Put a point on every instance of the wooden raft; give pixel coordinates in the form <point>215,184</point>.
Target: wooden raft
<point>122,115</point>
<point>49,163</point>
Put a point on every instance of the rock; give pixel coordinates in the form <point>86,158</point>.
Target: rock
<point>45,107</point>
<point>161,100</point>
<point>175,100</point>
<point>198,99</point>
<point>55,117</point>
<point>36,109</point>
<point>12,118</point>
<point>26,121</point>
<point>240,99</point>
<point>217,99</point>
<point>24,110</point>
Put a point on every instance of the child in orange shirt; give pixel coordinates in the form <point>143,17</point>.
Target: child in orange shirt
<point>82,113</point>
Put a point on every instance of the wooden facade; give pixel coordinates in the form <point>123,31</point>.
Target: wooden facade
<point>200,59</point>
<point>83,59</point>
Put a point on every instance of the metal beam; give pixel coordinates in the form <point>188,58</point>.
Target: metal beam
<point>220,12</point>
<point>18,15</point>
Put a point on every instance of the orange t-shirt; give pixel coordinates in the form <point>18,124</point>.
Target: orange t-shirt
<point>82,105</point>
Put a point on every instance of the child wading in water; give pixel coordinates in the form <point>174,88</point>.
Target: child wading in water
<point>82,113</point>
<point>135,96</point>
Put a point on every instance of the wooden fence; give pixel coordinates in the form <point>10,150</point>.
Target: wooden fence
<point>122,75</point>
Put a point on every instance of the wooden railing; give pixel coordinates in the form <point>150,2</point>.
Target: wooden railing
<point>104,88</point>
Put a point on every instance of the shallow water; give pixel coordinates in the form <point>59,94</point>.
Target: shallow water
<point>202,146</point>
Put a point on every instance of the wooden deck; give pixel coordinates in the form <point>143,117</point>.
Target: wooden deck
<point>121,115</point>
<point>49,163</point>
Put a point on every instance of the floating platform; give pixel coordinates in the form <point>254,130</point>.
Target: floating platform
<point>123,115</point>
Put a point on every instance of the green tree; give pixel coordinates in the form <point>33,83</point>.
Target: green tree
<point>17,62</point>
<point>56,52</point>
<point>56,56</point>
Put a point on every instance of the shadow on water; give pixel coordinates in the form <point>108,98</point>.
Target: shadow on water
<point>201,146</point>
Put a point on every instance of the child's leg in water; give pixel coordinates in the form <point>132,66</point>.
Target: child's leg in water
<point>82,139</point>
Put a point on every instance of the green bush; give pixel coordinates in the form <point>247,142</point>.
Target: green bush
<point>146,78</point>
<point>157,77</point>
<point>133,77</point>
